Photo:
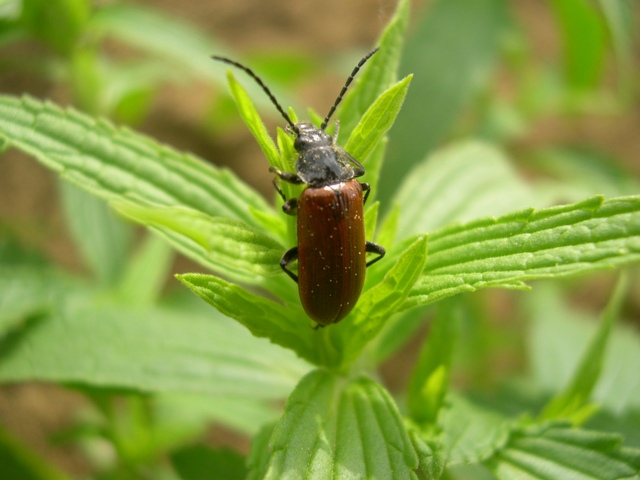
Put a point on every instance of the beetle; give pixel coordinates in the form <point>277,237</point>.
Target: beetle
<point>332,249</point>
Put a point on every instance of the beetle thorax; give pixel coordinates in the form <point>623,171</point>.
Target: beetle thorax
<point>320,161</point>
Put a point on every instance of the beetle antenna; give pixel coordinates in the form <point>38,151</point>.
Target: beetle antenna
<point>346,85</point>
<point>253,75</point>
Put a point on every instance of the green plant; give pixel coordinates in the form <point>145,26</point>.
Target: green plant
<point>339,421</point>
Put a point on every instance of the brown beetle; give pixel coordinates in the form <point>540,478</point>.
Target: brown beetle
<point>332,249</point>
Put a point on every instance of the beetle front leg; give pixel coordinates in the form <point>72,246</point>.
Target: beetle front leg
<point>366,189</point>
<point>374,248</point>
<point>287,259</point>
<point>286,176</point>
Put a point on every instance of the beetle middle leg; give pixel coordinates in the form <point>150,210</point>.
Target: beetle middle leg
<point>290,206</point>
<point>366,189</point>
<point>288,258</point>
<point>373,248</point>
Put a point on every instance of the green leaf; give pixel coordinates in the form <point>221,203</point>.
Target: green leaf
<point>86,77</point>
<point>459,183</point>
<point>58,24</point>
<point>430,379</point>
<point>581,173</point>
<point>118,164</point>
<point>554,360</point>
<point>150,351</point>
<point>27,291</point>
<point>287,163</point>
<point>9,12</point>
<point>380,72</point>
<point>288,156</point>
<point>471,433</point>
<point>619,15</point>
<point>183,47</point>
<point>573,402</point>
<point>129,93</point>
<point>378,303</point>
<point>588,236</point>
<point>142,427</point>
<point>20,463</point>
<point>622,423</point>
<point>431,456</point>
<point>181,43</point>
<point>374,164</point>
<point>262,317</point>
<point>388,230</point>
<point>377,120</point>
<point>223,244</point>
<point>583,39</point>
<point>371,219</point>
<point>553,451</point>
<point>398,330</point>
<point>548,451</point>
<point>253,121</point>
<point>201,462</point>
<point>103,240</point>
<point>258,460</point>
<point>450,69</point>
<point>243,414</point>
<point>144,277</point>
<point>338,428</point>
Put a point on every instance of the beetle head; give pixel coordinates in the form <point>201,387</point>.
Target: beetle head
<point>309,136</point>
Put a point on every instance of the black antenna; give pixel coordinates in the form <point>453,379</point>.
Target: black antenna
<point>252,74</point>
<point>346,85</point>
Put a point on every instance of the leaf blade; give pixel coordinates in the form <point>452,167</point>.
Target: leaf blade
<point>573,402</point>
<point>378,118</point>
<point>546,452</point>
<point>378,303</point>
<point>337,429</point>
<point>225,244</point>
<point>153,350</point>
<point>103,239</point>
<point>429,380</point>
<point>252,120</point>
<point>584,42</point>
<point>119,164</point>
<point>461,182</point>
<point>587,236</point>
<point>448,77</point>
<point>262,317</point>
<point>380,73</point>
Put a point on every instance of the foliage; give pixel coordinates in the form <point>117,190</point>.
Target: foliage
<point>158,369</point>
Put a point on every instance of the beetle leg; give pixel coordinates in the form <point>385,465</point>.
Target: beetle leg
<point>279,190</point>
<point>335,134</point>
<point>358,169</point>
<point>286,176</point>
<point>290,207</point>
<point>287,259</point>
<point>366,189</point>
<point>374,248</point>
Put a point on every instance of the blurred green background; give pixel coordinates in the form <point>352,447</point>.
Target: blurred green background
<point>554,83</point>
